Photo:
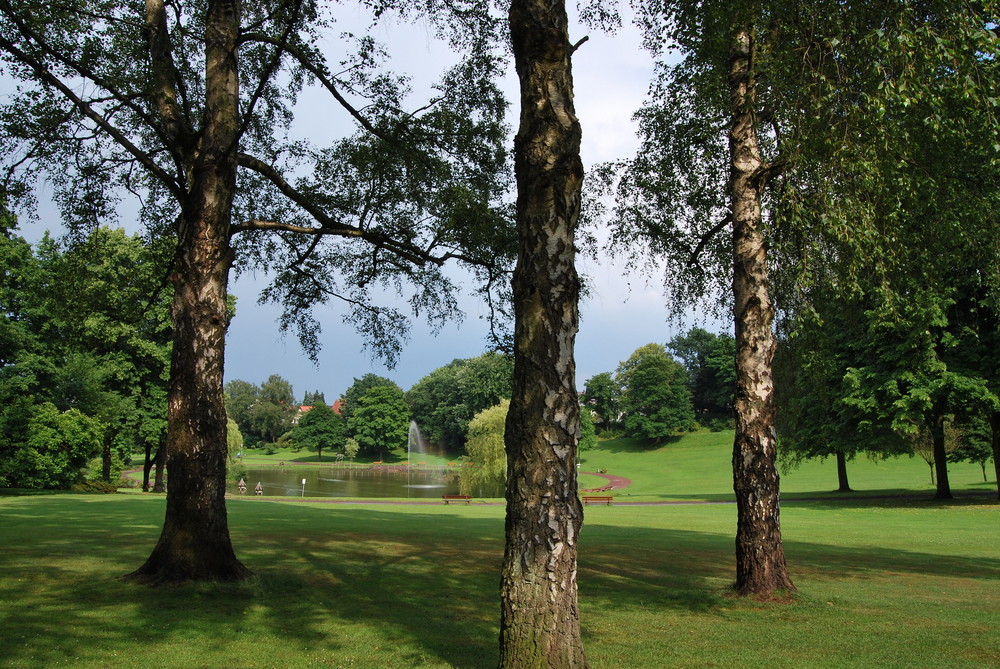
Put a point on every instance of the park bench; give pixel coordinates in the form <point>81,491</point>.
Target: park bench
<point>456,498</point>
<point>597,499</point>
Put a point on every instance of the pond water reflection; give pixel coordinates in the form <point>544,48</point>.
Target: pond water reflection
<point>333,481</point>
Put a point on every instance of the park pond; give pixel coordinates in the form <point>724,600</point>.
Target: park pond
<point>378,481</point>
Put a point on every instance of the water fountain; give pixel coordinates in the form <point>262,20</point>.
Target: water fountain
<point>415,446</point>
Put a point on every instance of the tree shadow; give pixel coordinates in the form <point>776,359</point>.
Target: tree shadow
<point>426,581</point>
<point>632,445</point>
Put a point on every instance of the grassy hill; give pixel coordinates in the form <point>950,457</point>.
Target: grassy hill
<point>698,466</point>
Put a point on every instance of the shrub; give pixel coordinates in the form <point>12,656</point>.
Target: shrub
<point>95,486</point>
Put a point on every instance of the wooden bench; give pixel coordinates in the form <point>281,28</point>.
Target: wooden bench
<point>597,499</point>
<point>457,498</point>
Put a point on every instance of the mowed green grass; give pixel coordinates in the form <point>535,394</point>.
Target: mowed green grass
<point>697,466</point>
<point>882,584</point>
<point>883,581</point>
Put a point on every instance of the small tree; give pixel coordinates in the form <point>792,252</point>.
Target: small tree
<point>319,427</point>
<point>351,448</point>
<point>487,465</point>
<point>588,432</point>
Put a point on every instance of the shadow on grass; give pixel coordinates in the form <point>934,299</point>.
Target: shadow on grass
<point>630,445</point>
<point>331,579</point>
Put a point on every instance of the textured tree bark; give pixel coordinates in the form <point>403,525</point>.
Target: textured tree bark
<point>760,557</point>
<point>195,542</point>
<point>539,615</point>
<point>843,484</point>
<point>160,459</point>
<point>940,458</point>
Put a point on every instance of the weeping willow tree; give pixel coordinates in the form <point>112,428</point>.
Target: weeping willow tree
<point>485,472</point>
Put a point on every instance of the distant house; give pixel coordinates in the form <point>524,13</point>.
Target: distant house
<point>336,407</point>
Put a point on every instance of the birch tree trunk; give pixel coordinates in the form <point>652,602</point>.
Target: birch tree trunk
<point>195,542</point>
<point>539,615</point>
<point>760,557</point>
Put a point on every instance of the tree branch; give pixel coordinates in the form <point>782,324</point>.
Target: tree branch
<point>84,71</point>
<point>318,71</point>
<point>271,68</point>
<point>333,228</point>
<point>165,78</point>
<point>706,238</point>
<point>47,77</point>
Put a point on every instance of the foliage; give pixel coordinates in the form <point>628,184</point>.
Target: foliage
<point>603,394</point>
<point>882,376</point>
<point>381,420</point>
<point>656,402</point>
<point>262,413</point>
<point>845,95</point>
<point>85,326</point>
<point>313,398</point>
<point>234,438</point>
<point>485,471</point>
<point>318,428</point>
<point>406,187</point>
<point>95,486</point>
<point>444,401</point>
<point>351,448</point>
<point>710,360</point>
<point>588,431</point>
<point>352,396</point>
<point>50,449</point>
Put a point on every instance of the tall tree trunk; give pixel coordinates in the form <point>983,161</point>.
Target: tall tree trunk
<point>147,466</point>
<point>843,484</point>
<point>760,557</point>
<point>195,543</point>
<point>995,430</point>
<point>160,459</point>
<point>106,459</point>
<point>940,459</point>
<point>540,624</point>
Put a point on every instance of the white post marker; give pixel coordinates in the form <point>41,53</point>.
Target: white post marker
<point>303,488</point>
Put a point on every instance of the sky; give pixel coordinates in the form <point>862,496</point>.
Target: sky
<point>621,312</point>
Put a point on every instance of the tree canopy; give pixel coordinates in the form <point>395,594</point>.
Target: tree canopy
<point>444,401</point>
<point>85,328</point>
<point>656,402</point>
<point>318,428</point>
<point>381,421</point>
<point>190,106</point>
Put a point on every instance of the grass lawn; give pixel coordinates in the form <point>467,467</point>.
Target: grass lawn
<point>698,466</point>
<point>882,584</point>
